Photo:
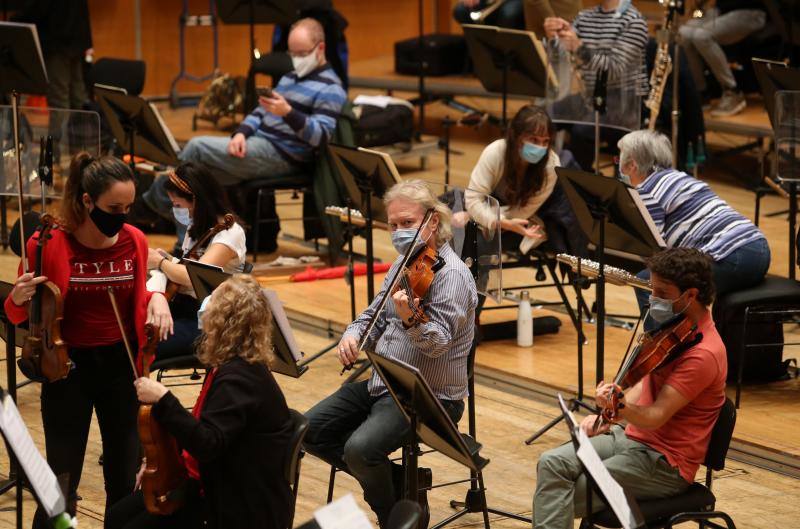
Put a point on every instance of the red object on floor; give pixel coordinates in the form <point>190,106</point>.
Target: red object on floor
<point>312,274</point>
<point>36,101</point>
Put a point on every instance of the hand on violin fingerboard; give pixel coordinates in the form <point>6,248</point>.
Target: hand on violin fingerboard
<point>404,312</point>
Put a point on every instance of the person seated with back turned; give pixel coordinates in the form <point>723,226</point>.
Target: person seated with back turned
<point>508,15</point>
<point>358,426</point>
<point>198,204</point>
<point>688,214</point>
<point>235,438</point>
<point>611,36</point>
<point>670,412</point>
<point>278,138</point>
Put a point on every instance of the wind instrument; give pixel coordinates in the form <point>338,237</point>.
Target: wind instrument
<point>662,65</point>
<point>613,275</point>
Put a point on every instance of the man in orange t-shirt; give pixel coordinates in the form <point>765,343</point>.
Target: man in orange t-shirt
<point>670,412</point>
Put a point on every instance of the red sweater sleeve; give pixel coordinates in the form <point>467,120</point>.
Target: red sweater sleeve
<point>16,313</point>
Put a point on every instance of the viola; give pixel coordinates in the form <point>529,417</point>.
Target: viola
<point>44,353</point>
<point>655,350</point>
<point>194,251</point>
<point>164,473</point>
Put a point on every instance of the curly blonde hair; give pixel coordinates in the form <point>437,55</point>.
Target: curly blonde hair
<point>238,322</point>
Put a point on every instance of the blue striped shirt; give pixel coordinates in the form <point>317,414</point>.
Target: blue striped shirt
<point>316,99</point>
<point>439,348</point>
<point>690,215</point>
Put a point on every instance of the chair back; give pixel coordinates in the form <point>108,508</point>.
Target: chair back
<point>721,436</point>
<point>299,427</point>
<point>405,515</point>
<point>122,73</point>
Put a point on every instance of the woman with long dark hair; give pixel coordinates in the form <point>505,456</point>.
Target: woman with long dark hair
<point>199,204</point>
<point>519,171</point>
<point>92,250</point>
<point>235,438</point>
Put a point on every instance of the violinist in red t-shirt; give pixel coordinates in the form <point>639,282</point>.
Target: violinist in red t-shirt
<point>93,249</point>
<point>670,412</point>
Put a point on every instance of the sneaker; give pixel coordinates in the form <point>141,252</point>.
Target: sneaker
<point>731,103</point>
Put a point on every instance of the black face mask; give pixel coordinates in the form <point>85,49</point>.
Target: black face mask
<point>109,224</point>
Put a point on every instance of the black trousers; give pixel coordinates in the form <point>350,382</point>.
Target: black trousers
<point>102,381</point>
<point>184,316</point>
<point>130,513</point>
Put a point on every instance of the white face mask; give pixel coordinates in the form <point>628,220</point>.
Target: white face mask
<point>201,311</point>
<point>305,65</point>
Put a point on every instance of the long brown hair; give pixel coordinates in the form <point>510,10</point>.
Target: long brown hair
<point>522,186</point>
<point>210,201</point>
<point>91,175</point>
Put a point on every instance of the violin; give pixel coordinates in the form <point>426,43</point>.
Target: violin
<point>194,251</point>
<point>416,280</point>
<point>414,275</point>
<point>164,474</point>
<point>44,353</point>
<point>655,350</point>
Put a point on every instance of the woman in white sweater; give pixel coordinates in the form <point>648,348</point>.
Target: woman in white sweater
<point>519,171</point>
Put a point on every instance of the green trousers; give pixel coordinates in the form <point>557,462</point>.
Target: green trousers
<point>561,486</point>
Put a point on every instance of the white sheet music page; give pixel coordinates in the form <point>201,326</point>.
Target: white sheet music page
<point>611,489</point>
<point>343,513</point>
<point>41,478</point>
<point>283,323</point>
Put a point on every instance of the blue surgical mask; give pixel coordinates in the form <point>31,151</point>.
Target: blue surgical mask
<point>625,179</point>
<point>201,311</point>
<point>182,215</point>
<point>401,239</point>
<point>662,310</point>
<point>532,153</point>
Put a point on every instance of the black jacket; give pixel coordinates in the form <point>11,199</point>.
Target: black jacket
<point>63,25</point>
<point>240,443</point>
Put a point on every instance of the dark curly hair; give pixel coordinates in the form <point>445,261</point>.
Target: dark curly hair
<point>685,268</point>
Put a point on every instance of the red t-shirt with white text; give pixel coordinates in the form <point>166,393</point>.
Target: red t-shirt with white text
<point>89,319</point>
<point>699,375</point>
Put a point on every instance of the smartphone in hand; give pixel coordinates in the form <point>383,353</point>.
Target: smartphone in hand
<point>264,92</point>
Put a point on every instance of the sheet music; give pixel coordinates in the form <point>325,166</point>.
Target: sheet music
<point>343,513</point>
<point>39,474</point>
<point>646,216</point>
<point>615,495</point>
<point>165,129</point>
<point>279,315</point>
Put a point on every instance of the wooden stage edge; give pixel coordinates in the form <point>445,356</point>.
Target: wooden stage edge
<point>750,444</point>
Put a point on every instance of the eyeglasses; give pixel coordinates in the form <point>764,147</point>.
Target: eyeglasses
<point>301,54</point>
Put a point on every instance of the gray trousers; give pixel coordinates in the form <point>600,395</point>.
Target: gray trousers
<point>261,160</point>
<point>65,76</point>
<point>357,431</point>
<point>560,494</point>
<point>703,38</point>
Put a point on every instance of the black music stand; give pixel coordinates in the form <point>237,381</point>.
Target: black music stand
<point>286,361</point>
<point>625,506</point>
<point>22,70</point>
<point>47,489</point>
<point>615,220</point>
<point>366,175</point>
<point>774,77</point>
<point>431,425</point>
<point>508,61</point>
<point>137,126</point>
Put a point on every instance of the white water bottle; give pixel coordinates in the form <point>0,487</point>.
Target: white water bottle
<point>524,321</point>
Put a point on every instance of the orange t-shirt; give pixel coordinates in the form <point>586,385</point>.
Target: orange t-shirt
<point>699,375</point>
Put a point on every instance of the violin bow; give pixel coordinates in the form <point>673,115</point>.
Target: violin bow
<point>122,330</point>
<point>397,274</point>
